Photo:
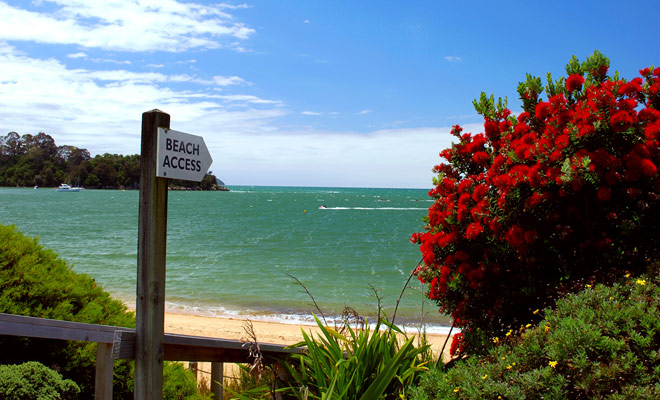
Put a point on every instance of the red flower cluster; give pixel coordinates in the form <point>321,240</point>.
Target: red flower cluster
<point>567,189</point>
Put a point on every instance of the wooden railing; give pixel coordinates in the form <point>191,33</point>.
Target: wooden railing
<point>119,343</point>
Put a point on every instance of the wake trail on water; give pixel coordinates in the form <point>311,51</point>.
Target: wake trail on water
<point>374,208</point>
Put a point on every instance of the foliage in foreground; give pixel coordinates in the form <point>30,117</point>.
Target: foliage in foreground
<point>340,363</point>
<point>35,381</point>
<point>35,282</point>
<point>180,383</point>
<point>564,194</point>
<point>355,364</point>
<point>603,342</point>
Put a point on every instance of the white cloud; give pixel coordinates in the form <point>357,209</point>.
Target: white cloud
<point>316,113</point>
<point>453,59</point>
<point>101,110</point>
<point>77,55</point>
<point>228,80</point>
<point>364,112</point>
<point>166,25</point>
<point>110,61</point>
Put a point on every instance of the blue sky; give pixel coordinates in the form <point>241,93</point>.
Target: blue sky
<point>307,93</point>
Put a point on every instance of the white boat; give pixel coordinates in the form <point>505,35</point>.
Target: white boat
<point>66,188</point>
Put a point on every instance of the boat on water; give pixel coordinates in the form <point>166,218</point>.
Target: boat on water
<point>67,188</point>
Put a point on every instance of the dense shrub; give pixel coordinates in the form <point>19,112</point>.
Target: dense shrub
<point>564,194</point>
<point>179,383</point>
<point>602,343</point>
<point>35,381</point>
<point>34,281</point>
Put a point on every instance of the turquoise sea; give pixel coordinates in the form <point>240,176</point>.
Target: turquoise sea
<point>232,253</point>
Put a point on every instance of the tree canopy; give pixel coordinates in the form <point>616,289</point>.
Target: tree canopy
<point>563,195</point>
<point>31,160</point>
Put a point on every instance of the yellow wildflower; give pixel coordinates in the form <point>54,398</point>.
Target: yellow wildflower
<point>514,364</point>
<point>547,328</point>
<point>509,366</point>
<point>641,282</point>
<point>509,332</point>
<point>627,275</point>
<point>457,389</point>
<point>535,311</point>
<point>588,285</point>
<point>528,325</point>
<point>485,376</point>
<point>552,363</point>
<point>496,340</point>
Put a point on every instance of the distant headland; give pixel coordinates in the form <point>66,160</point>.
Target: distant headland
<point>36,161</point>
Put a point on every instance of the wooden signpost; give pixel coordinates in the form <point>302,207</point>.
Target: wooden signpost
<point>152,237</point>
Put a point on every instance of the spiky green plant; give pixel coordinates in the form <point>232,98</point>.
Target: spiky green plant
<point>360,364</point>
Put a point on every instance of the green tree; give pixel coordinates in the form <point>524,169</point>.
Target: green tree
<point>34,281</point>
<point>538,205</point>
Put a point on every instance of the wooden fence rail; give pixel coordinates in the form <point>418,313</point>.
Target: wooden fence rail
<point>119,343</point>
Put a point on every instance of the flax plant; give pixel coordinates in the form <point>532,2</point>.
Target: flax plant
<point>361,364</point>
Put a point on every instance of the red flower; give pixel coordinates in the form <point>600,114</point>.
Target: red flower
<point>574,82</point>
<point>531,236</point>
<point>648,168</point>
<point>542,110</point>
<point>621,121</point>
<point>604,193</point>
<point>631,88</point>
<point>562,141</point>
<point>515,236</point>
<point>480,157</point>
<point>492,130</point>
<point>473,230</point>
<point>456,344</point>
<point>479,193</point>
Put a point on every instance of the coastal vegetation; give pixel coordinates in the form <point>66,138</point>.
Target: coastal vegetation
<point>36,282</point>
<point>600,343</point>
<point>361,363</point>
<point>564,194</point>
<point>542,243</point>
<point>35,160</point>
<point>33,380</point>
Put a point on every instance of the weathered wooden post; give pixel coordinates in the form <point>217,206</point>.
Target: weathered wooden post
<point>152,235</point>
<point>166,154</point>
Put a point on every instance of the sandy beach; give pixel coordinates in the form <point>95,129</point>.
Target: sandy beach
<point>266,331</point>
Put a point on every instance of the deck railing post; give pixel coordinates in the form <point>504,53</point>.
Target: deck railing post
<point>104,369</point>
<point>217,373</point>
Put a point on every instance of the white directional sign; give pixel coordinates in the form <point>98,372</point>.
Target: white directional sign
<point>182,156</point>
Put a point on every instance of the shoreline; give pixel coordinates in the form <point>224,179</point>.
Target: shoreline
<point>297,319</point>
<point>274,332</point>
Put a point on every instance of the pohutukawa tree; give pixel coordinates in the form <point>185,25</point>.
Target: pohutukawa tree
<point>564,194</point>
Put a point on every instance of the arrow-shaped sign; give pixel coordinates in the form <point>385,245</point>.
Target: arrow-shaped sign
<point>182,156</point>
